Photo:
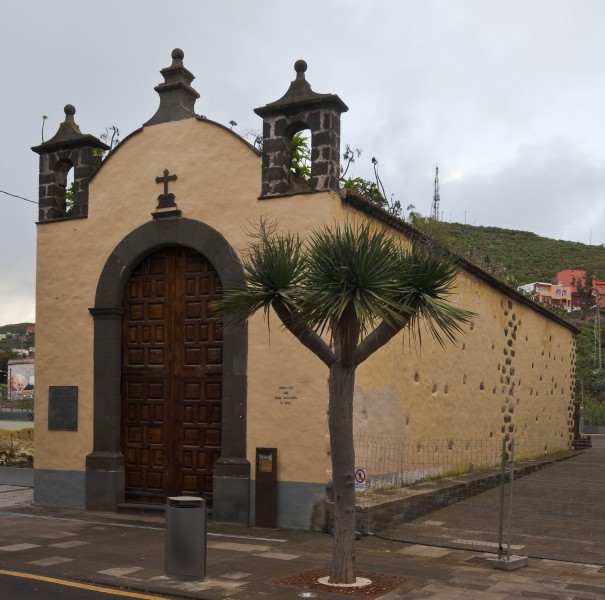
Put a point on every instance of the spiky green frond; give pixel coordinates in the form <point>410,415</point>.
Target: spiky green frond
<point>429,281</point>
<point>300,156</point>
<point>274,267</point>
<point>345,270</point>
<point>352,266</point>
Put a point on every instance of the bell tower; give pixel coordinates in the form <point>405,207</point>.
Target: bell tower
<point>300,109</point>
<point>68,149</point>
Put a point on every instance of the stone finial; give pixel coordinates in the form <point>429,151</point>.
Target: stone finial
<point>300,66</point>
<point>69,135</point>
<point>177,57</point>
<point>177,97</point>
<point>68,132</point>
<point>300,92</point>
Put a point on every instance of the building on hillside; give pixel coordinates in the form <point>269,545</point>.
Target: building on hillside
<point>551,294</point>
<point>140,394</point>
<point>571,277</point>
<point>30,335</point>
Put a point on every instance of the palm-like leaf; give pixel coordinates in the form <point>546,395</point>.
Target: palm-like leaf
<point>344,267</point>
<point>274,267</point>
<point>352,266</point>
<point>429,278</point>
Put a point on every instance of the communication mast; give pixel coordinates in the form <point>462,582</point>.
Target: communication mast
<point>436,197</point>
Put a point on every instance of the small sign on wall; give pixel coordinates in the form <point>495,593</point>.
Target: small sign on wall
<point>63,408</point>
<point>265,461</point>
<point>285,394</point>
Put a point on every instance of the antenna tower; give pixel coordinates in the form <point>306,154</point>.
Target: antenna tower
<point>436,197</point>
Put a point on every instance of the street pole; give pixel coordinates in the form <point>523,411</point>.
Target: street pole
<point>502,481</point>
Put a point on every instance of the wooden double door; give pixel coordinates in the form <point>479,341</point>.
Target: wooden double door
<point>172,359</point>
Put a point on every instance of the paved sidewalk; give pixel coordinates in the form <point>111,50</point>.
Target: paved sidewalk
<point>558,513</point>
<point>244,563</point>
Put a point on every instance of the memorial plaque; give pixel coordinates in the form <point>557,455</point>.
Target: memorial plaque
<point>285,394</point>
<point>63,408</point>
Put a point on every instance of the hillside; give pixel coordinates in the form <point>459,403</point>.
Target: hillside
<point>523,255</point>
<point>15,328</point>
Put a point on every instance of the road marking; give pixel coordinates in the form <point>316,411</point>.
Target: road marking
<point>246,537</point>
<point>278,555</point>
<point>82,586</point>
<point>121,571</point>
<point>51,560</point>
<point>238,547</point>
<point>19,547</point>
<point>488,544</point>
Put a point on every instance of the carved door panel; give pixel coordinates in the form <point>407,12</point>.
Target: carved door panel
<point>171,377</point>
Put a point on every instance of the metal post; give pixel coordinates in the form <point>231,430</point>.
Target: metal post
<point>509,563</point>
<point>185,538</point>
<point>502,480</point>
<point>510,496</point>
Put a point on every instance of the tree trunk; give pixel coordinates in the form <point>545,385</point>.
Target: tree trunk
<point>342,383</point>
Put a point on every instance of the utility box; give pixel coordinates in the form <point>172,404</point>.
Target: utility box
<point>185,538</point>
<point>265,514</point>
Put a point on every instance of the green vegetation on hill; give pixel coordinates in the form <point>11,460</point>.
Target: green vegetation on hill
<point>15,328</point>
<point>521,255</point>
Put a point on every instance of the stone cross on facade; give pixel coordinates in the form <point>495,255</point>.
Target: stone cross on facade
<point>166,200</point>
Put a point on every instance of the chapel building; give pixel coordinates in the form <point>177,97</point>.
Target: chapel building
<point>141,395</point>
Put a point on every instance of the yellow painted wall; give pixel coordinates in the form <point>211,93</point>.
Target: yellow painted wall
<point>510,373</point>
<point>218,183</point>
<point>445,394</point>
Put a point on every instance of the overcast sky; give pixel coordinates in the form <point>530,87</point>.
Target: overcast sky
<point>506,96</point>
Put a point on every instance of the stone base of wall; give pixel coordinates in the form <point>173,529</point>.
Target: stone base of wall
<point>14,476</point>
<point>60,488</point>
<point>299,505</point>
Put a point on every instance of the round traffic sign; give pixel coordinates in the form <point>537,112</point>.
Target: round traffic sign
<point>360,476</point>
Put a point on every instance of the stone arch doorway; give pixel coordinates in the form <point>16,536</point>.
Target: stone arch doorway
<point>172,372</point>
<point>105,472</point>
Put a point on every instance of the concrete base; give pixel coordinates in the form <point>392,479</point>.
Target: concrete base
<point>104,490</point>
<point>515,562</point>
<point>300,505</point>
<point>231,485</point>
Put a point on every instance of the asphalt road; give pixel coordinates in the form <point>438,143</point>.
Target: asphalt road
<point>24,586</point>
